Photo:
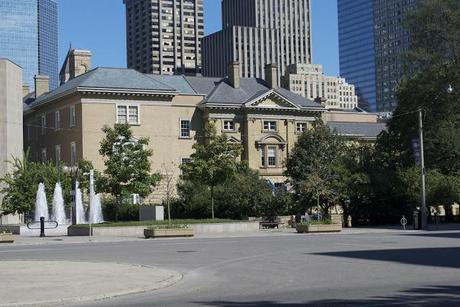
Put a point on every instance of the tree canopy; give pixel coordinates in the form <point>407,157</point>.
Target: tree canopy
<point>312,167</point>
<point>127,165</point>
<point>214,161</point>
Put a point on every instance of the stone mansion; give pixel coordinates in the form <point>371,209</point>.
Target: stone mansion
<point>65,124</point>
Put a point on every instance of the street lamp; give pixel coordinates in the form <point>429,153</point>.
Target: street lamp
<point>73,171</point>
<point>423,209</point>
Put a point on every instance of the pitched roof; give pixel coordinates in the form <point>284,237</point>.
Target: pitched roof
<point>363,130</point>
<point>219,91</point>
<point>178,83</point>
<point>216,90</point>
<point>110,78</point>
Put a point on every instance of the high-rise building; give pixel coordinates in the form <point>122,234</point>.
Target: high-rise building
<point>256,33</point>
<point>164,36</point>
<point>29,37</point>
<point>371,41</point>
<point>309,81</point>
<point>11,124</point>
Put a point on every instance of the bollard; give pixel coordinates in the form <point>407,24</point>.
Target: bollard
<point>42,227</point>
<point>349,221</point>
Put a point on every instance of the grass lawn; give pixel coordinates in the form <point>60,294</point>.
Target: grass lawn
<point>158,223</point>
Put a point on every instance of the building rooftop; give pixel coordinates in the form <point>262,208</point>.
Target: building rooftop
<point>357,130</point>
<point>215,90</point>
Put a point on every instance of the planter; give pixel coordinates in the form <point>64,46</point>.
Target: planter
<point>168,232</point>
<point>6,238</point>
<point>315,228</point>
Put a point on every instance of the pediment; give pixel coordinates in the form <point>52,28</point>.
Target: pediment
<point>270,100</point>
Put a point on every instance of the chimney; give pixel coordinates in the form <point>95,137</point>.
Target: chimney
<point>42,85</point>
<point>77,62</point>
<point>25,90</point>
<point>271,75</point>
<point>234,74</point>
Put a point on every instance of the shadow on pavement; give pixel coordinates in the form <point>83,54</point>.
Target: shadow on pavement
<point>426,296</point>
<point>439,257</point>
<point>449,235</point>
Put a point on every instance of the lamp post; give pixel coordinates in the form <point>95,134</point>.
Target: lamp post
<point>73,171</point>
<point>423,208</point>
<point>424,217</point>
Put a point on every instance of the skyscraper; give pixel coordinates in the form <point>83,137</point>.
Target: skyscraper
<point>164,36</point>
<point>29,37</point>
<point>371,41</point>
<point>256,33</point>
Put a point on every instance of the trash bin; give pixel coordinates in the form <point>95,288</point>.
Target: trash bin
<point>417,220</point>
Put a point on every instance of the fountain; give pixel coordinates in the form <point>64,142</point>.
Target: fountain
<point>58,205</point>
<point>80,210</point>
<point>95,207</point>
<point>41,204</point>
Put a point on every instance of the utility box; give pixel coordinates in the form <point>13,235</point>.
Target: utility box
<point>151,213</point>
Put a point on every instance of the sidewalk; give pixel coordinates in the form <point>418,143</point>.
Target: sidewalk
<point>48,283</point>
<point>36,240</point>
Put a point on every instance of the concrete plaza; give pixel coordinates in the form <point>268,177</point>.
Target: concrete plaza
<point>356,268</point>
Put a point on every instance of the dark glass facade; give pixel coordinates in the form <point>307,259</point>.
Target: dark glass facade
<point>371,41</point>
<point>356,48</point>
<point>391,40</point>
<point>29,37</point>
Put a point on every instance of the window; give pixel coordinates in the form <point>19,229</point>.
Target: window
<point>270,125</point>
<point>73,154</point>
<point>229,125</point>
<point>57,120</point>
<point>121,115</point>
<point>128,114</point>
<point>44,159</point>
<point>185,128</point>
<point>133,114</point>
<point>262,157</point>
<point>301,127</point>
<point>72,117</point>
<point>43,124</point>
<point>57,155</point>
<point>271,155</point>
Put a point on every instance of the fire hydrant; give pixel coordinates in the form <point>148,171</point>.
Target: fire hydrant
<point>349,221</point>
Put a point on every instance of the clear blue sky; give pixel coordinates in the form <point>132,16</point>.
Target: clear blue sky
<point>99,25</point>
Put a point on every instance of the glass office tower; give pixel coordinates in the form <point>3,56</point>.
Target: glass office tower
<point>29,37</point>
<point>356,48</point>
<point>371,41</point>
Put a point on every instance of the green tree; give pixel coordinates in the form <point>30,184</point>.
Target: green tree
<point>213,162</point>
<point>242,195</point>
<point>312,167</point>
<point>435,39</point>
<point>127,166</point>
<point>20,184</point>
<point>433,68</point>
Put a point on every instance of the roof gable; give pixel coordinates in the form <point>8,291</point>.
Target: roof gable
<point>271,100</point>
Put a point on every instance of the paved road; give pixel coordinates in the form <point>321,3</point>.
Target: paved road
<point>373,269</point>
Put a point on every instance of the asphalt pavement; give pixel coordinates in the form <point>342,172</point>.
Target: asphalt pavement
<point>379,268</point>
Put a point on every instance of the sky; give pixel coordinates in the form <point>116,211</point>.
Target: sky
<point>99,25</point>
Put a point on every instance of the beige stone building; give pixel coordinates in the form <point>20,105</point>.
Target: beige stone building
<point>11,143</point>
<point>65,124</point>
<point>308,80</point>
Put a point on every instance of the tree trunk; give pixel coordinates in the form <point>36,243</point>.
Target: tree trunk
<point>317,205</point>
<point>115,209</point>
<point>212,202</point>
<point>169,212</point>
